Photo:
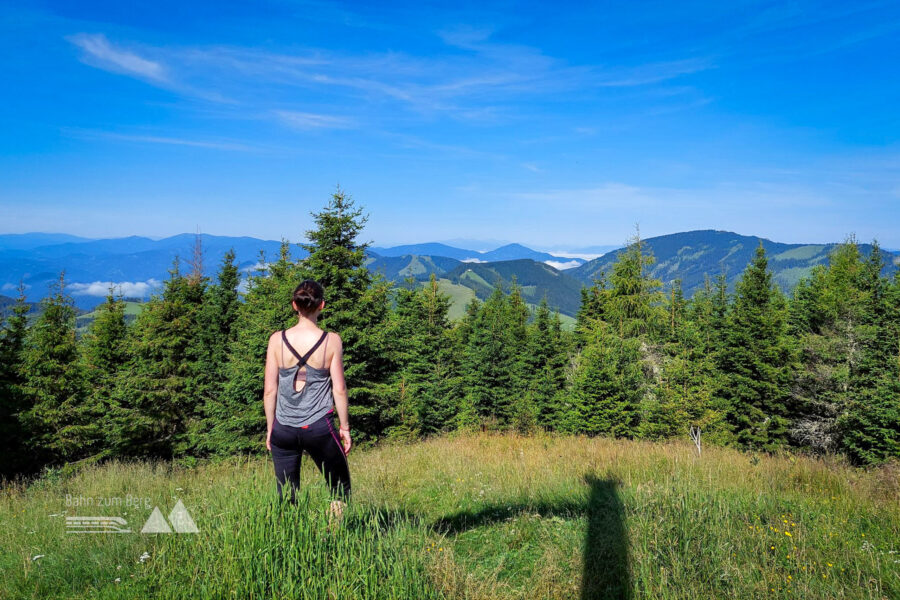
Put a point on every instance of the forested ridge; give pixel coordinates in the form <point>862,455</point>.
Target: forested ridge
<point>755,369</point>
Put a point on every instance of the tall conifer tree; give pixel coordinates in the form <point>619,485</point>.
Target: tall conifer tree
<point>545,357</point>
<point>426,384</point>
<point>236,422</point>
<point>12,403</point>
<point>216,334</point>
<point>607,387</point>
<point>758,359</point>
<point>826,318</point>
<point>60,423</point>
<point>155,403</point>
<point>870,425</point>
<point>357,308</point>
<point>490,362</point>
<point>104,355</point>
<point>467,417</point>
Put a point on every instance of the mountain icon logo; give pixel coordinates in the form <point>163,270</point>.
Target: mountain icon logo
<point>179,517</point>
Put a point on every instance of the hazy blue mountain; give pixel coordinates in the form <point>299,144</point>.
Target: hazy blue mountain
<point>27,241</point>
<point>517,251</point>
<point>426,249</point>
<point>124,245</point>
<point>140,264</point>
<point>507,252</point>
<point>692,254</point>
<point>479,245</point>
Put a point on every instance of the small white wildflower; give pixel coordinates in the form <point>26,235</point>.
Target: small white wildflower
<point>117,579</point>
<point>144,556</point>
<point>179,489</point>
<point>118,567</point>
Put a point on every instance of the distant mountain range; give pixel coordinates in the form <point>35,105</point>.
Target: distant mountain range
<point>507,252</point>
<point>139,265</point>
<point>693,254</point>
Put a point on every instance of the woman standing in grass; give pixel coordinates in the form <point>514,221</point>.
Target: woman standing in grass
<point>301,393</point>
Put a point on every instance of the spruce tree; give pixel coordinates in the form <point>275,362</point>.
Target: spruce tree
<point>61,425</point>
<point>704,335</point>
<point>545,358</point>
<point>236,422</point>
<point>216,332</point>
<point>12,403</point>
<point>593,308</point>
<point>408,343</point>
<point>870,425</point>
<point>357,308</point>
<point>826,318</point>
<point>490,361</point>
<point>665,409</point>
<point>635,300</point>
<point>467,418</point>
<point>439,364</point>
<point>155,404</point>
<point>608,386</point>
<point>758,359</point>
<point>693,373</point>
<point>426,382</point>
<point>521,412</point>
<point>104,355</point>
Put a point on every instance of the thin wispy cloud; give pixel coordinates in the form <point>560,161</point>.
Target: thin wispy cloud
<point>305,120</point>
<point>99,52</point>
<point>468,85</point>
<point>617,196</point>
<point>701,112</point>
<point>156,139</point>
<point>656,72</point>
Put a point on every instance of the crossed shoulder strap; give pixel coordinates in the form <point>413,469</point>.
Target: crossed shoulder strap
<point>306,356</point>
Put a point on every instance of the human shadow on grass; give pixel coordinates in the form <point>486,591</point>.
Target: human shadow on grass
<point>605,573</point>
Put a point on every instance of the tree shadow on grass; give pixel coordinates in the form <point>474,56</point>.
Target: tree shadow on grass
<point>605,573</point>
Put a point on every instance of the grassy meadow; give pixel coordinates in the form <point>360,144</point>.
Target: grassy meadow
<point>480,516</point>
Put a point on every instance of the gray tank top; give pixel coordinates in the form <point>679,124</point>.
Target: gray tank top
<point>313,401</point>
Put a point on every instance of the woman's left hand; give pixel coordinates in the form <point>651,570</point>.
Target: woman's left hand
<point>345,440</point>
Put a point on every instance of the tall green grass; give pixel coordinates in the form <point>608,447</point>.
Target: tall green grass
<point>485,516</point>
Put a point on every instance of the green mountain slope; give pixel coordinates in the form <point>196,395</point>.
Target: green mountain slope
<point>418,266</point>
<point>536,279</point>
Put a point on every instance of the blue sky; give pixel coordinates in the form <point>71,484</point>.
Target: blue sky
<point>550,124</point>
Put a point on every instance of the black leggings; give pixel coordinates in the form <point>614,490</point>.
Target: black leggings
<point>320,441</point>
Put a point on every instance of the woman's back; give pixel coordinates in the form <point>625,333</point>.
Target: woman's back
<point>304,380</point>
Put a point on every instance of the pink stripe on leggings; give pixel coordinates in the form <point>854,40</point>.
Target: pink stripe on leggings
<point>334,435</point>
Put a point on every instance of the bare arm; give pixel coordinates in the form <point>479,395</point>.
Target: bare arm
<point>271,388</point>
<point>339,391</point>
